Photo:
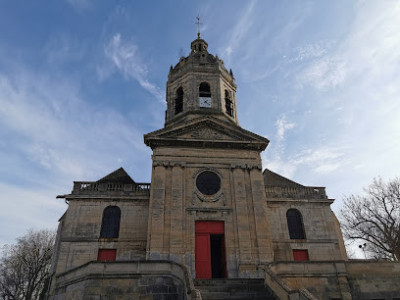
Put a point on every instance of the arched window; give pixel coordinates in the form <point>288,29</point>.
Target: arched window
<point>110,223</point>
<point>228,104</point>
<point>295,224</point>
<point>204,90</point>
<point>179,101</point>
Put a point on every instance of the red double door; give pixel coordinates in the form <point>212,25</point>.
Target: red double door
<point>210,249</point>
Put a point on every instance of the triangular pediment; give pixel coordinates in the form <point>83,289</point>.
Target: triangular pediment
<point>203,132</point>
<point>206,130</point>
<point>209,132</point>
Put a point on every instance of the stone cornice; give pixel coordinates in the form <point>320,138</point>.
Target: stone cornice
<point>246,166</point>
<point>160,142</point>
<point>208,209</point>
<point>232,166</point>
<point>206,132</point>
<point>168,164</point>
<point>299,200</point>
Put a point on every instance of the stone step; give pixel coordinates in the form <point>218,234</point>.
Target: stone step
<point>233,289</point>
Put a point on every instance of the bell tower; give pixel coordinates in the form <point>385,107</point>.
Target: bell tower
<point>200,84</point>
<point>207,207</point>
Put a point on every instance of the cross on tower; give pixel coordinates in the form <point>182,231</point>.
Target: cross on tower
<point>198,26</point>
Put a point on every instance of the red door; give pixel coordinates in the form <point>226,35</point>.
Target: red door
<point>203,257</point>
<point>203,249</point>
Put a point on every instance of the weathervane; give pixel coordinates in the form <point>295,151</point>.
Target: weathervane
<point>198,26</point>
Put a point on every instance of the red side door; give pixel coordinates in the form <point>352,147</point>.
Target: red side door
<point>203,256</point>
<point>203,230</point>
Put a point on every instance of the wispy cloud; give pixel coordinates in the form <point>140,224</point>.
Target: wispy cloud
<point>368,56</point>
<point>49,137</point>
<point>273,159</point>
<point>56,129</point>
<point>282,126</point>
<point>326,73</point>
<point>357,80</point>
<point>27,208</point>
<point>125,56</point>
<point>311,50</point>
<point>321,160</point>
<point>80,5</point>
<point>242,26</point>
<point>63,48</point>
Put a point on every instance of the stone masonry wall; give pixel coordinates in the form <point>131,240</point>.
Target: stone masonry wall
<point>374,279</point>
<point>80,242</point>
<point>176,206</point>
<point>321,229</point>
<point>123,280</point>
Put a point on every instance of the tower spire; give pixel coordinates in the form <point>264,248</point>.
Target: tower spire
<point>198,26</point>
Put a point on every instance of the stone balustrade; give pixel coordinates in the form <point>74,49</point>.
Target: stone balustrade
<point>306,192</point>
<point>92,187</point>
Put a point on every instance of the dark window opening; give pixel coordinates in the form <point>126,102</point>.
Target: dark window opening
<point>208,183</point>
<point>300,255</point>
<point>204,90</point>
<point>217,246</point>
<point>107,255</point>
<point>110,222</point>
<point>228,104</point>
<point>179,101</point>
<point>295,224</point>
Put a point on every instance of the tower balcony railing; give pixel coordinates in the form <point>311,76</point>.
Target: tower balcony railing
<point>93,187</point>
<point>307,192</point>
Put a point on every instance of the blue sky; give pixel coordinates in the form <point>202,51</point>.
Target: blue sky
<point>81,81</point>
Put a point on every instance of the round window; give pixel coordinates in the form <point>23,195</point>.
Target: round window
<point>208,183</point>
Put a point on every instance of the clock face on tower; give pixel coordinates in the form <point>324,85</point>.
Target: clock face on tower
<point>205,102</point>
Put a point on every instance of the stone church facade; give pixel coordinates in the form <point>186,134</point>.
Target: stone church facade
<point>210,216</point>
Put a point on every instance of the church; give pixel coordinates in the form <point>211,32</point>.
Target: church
<point>211,224</point>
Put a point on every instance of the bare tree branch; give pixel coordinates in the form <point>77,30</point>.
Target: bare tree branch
<point>375,219</point>
<point>24,267</point>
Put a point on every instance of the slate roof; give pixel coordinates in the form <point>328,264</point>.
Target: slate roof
<point>118,176</point>
<point>274,179</point>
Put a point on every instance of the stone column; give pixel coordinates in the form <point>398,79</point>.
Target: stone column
<point>262,226</point>
<point>242,216</point>
<point>155,234</point>
<point>177,213</point>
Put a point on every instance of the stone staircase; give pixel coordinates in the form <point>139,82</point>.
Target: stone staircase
<point>233,289</point>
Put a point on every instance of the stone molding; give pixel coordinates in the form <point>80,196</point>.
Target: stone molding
<point>168,164</point>
<point>213,198</point>
<point>208,209</point>
<point>246,166</point>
